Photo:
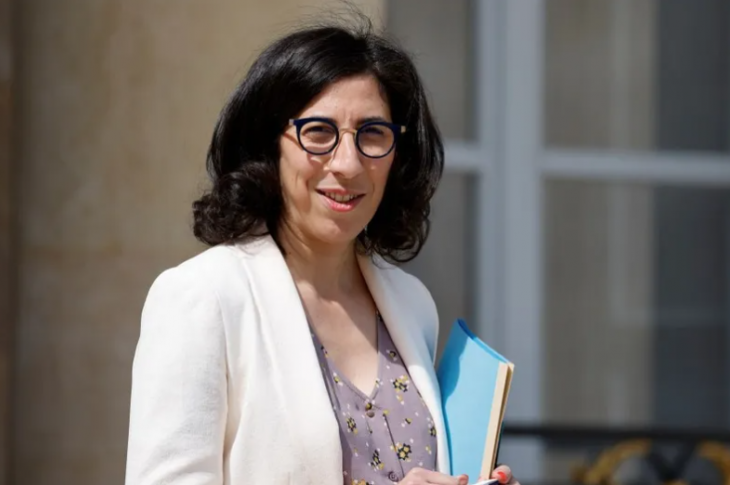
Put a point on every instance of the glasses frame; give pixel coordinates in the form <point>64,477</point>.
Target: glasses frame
<point>395,128</point>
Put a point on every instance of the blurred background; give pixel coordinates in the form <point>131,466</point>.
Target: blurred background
<point>582,226</point>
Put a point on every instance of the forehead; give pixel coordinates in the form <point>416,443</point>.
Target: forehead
<point>353,97</point>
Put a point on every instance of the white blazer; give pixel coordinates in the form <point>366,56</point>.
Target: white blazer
<point>227,389</point>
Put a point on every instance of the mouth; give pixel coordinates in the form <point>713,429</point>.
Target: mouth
<point>341,202</point>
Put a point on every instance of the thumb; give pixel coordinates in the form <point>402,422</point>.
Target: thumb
<point>503,473</point>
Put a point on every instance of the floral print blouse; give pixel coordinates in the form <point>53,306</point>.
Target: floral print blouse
<point>385,434</point>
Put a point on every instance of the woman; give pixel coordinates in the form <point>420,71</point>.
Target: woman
<point>291,352</point>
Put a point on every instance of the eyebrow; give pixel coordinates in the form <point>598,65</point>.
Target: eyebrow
<point>360,121</point>
<point>371,119</point>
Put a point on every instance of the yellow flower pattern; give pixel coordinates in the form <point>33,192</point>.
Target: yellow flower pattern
<point>400,384</point>
<point>403,451</point>
<point>399,432</point>
<point>351,425</point>
<point>376,463</point>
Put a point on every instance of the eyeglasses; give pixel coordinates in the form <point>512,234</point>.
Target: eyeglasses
<point>374,139</point>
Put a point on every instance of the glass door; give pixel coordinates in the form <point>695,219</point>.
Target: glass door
<point>636,215</point>
<point>584,221</point>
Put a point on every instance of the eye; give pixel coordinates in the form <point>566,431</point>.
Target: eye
<point>374,130</point>
<point>317,128</point>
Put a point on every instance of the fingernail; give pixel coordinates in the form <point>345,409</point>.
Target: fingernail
<point>501,476</point>
<point>464,480</point>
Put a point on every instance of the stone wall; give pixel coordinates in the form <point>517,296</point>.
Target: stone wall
<point>6,237</point>
<point>116,104</point>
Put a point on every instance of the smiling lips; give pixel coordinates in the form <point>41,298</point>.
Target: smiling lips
<point>340,201</point>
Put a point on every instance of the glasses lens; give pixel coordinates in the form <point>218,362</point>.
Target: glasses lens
<point>318,136</point>
<point>375,140</point>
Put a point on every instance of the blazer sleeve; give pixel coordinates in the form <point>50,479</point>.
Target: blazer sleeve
<point>179,386</point>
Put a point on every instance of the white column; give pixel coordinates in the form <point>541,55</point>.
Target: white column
<point>488,60</point>
<point>521,234</point>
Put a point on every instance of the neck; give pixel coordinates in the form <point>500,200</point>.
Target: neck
<point>329,270</point>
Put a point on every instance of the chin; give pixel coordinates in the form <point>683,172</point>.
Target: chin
<point>336,233</point>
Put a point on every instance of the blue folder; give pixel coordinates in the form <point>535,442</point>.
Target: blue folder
<point>475,382</point>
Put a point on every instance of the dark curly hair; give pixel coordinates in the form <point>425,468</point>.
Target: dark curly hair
<point>245,200</point>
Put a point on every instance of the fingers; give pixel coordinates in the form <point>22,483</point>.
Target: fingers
<point>436,478</point>
<point>419,476</point>
<point>503,473</point>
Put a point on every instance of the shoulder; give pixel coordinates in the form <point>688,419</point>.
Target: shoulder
<point>198,302</point>
<point>216,262</point>
<point>220,269</point>
<point>215,279</point>
<point>189,283</point>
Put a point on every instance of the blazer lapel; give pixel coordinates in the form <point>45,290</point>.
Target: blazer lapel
<point>393,303</point>
<point>287,335</point>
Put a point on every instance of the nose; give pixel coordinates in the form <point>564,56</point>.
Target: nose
<point>345,159</point>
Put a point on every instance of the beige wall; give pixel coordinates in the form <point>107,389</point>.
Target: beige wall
<point>6,267</point>
<point>116,104</point>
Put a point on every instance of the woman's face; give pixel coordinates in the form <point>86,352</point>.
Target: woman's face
<point>317,188</point>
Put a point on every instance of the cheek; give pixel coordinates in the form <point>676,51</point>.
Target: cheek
<point>379,177</point>
<point>297,173</point>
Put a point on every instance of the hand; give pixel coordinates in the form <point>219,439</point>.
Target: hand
<point>503,473</point>
<point>419,476</point>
